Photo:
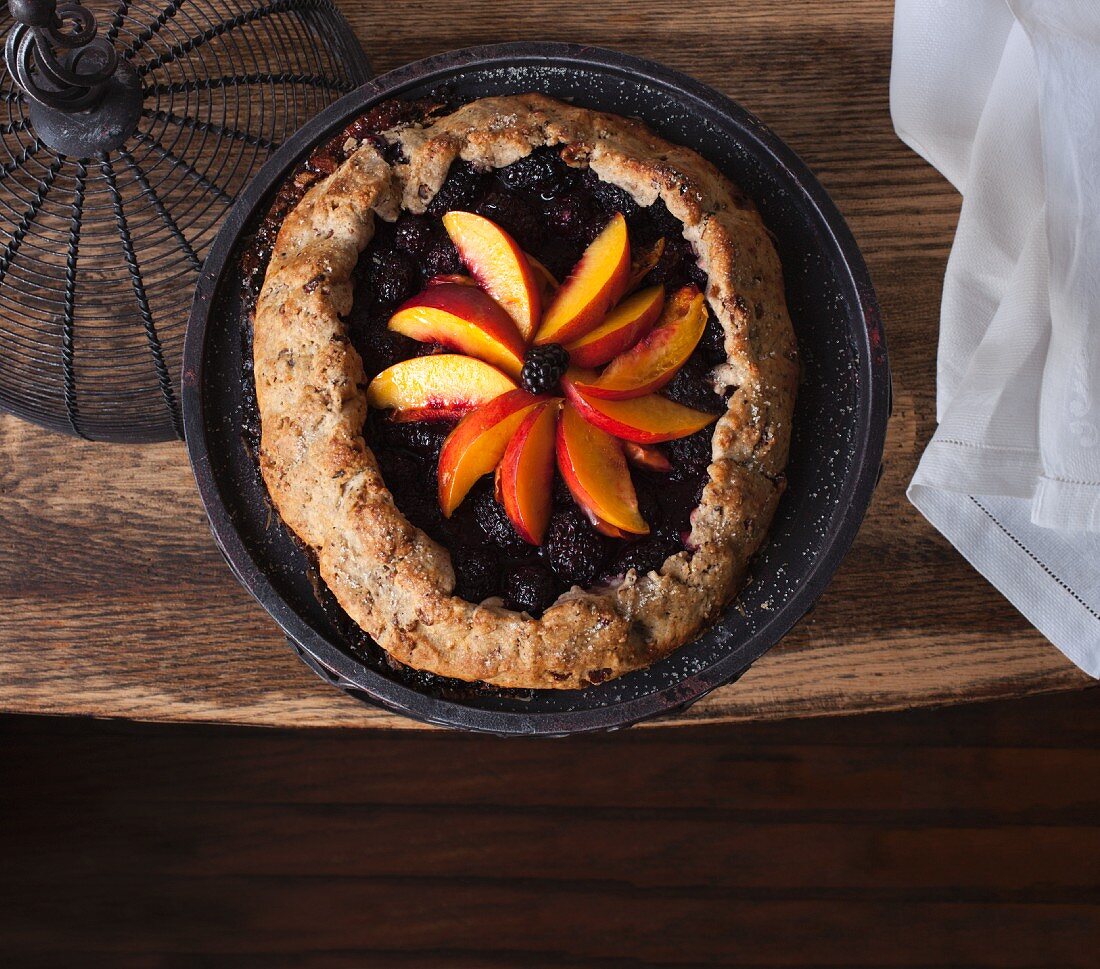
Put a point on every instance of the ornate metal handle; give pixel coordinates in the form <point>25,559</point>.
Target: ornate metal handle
<point>75,79</point>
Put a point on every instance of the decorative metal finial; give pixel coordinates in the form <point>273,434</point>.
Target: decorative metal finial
<point>76,78</point>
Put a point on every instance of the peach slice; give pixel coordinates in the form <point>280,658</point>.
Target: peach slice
<point>440,387</point>
<point>477,444</point>
<point>499,265</point>
<point>594,468</point>
<point>596,284</point>
<point>643,262</point>
<point>604,528</point>
<point>457,278</point>
<point>548,284</point>
<point>622,328</point>
<point>464,319</point>
<point>525,476</point>
<point>653,361</point>
<point>644,420</point>
<point>646,456</point>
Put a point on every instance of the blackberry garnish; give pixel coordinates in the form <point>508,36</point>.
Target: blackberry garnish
<point>529,588</point>
<point>543,367</point>
<point>573,549</point>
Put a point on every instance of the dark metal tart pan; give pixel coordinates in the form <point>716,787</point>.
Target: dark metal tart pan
<point>839,425</point>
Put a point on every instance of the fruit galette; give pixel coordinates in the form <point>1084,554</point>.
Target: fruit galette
<point>525,378</point>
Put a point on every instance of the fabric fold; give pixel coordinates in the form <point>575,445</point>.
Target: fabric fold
<point>1004,99</point>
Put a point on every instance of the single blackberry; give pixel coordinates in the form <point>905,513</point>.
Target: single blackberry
<point>391,278</point>
<point>615,199</point>
<point>476,574</point>
<point>692,387</point>
<point>424,438</point>
<point>530,589</point>
<point>379,347</point>
<point>461,190</point>
<point>543,367</point>
<point>573,214</point>
<point>441,258</point>
<point>462,530</point>
<point>690,455</point>
<point>538,172</point>
<point>514,214</point>
<point>413,234</point>
<point>646,555</point>
<point>573,549</point>
<point>493,520</point>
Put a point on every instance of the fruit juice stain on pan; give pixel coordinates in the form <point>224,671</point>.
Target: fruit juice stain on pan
<point>838,429</point>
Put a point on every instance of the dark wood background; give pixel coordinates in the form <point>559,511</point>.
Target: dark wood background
<point>964,837</point>
<point>118,605</point>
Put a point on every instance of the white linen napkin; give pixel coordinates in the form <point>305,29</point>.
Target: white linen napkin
<point>1004,99</point>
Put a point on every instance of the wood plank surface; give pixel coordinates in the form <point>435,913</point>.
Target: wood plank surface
<point>947,838</point>
<point>117,604</point>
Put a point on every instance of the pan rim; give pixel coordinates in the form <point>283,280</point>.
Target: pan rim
<point>852,501</point>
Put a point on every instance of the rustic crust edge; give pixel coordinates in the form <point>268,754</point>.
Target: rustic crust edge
<point>391,578</point>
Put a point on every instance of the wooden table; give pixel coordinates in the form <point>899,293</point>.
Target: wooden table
<point>117,604</point>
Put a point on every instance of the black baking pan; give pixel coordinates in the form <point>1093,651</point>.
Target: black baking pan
<point>839,425</point>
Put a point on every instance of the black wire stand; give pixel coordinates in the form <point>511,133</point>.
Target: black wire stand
<point>121,150</point>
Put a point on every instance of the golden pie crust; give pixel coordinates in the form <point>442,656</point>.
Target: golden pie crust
<point>391,578</point>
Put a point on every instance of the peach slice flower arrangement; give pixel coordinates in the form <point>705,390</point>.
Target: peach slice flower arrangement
<point>543,374</point>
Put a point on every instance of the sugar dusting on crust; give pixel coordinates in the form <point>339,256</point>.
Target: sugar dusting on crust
<point>393,580</point>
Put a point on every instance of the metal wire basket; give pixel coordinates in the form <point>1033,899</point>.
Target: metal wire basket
<point>119,157</point>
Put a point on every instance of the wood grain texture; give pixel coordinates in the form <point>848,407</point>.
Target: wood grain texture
<point>945,838</point>
<point>117,603</point>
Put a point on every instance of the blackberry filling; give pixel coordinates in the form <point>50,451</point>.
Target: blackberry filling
<point>554,212</point>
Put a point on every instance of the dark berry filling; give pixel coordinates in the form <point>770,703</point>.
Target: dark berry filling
<point>554,212</point>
